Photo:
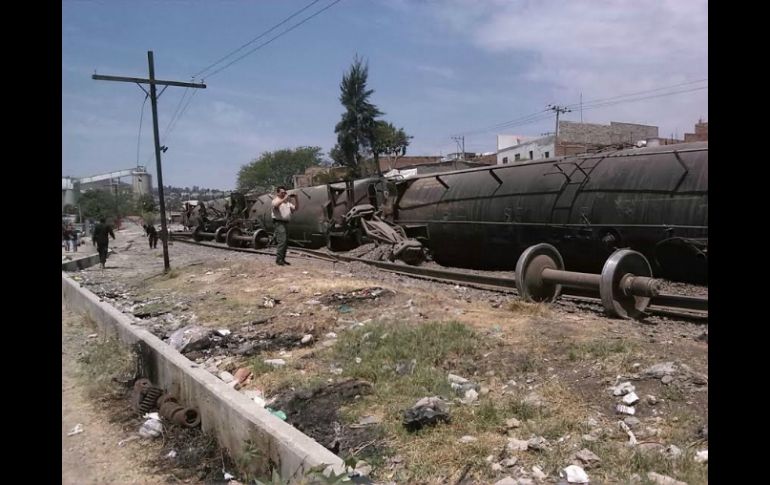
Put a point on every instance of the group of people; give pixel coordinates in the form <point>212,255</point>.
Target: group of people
<point>71,238</point>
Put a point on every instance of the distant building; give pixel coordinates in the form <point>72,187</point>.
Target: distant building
<point>701,132</point>
<point>573,138</point>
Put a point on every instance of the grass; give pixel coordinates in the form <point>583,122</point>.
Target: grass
<point>597,349</point>
<point>531,309</point>
<point>101,362</point>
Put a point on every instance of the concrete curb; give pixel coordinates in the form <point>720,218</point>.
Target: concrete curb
<point>80,263</point>
<point>227,414</point>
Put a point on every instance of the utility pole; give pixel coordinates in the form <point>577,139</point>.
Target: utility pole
<point>154,99</point>
<point>558,110</point>
<point>460,142</point>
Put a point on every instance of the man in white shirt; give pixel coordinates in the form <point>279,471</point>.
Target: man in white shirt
<point>282,209</point>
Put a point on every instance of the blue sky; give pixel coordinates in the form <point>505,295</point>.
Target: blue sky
<point>438,68</point>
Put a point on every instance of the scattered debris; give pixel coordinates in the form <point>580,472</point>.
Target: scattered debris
<point>632,421</point>
<point>702,456</point>
<point>277,413</point>
<point>509,462</point>
<point>470,396</point>
<point>372,293</point>
<point>122,443</point>
<point>275,362</point>
<point>658,371</point>
<point>362,469</point>
<point>468,439</point>
<point>426,412</point>
<point>512,423</point>
<point>507,481</point>
<point>631,438</point>
<point>625,409</point>
<point>226,377</point>
<point>651,400</point>
<point>190,338</point>
<point>673,451</point>
<point>331,335</point>
<point>306,339</point>
<point>368,420</point>
<point>93,335</point>
<point>659,479</point>
<point>515,444</point>
<point>76,430</point>
<point>268,302</point>
<point>623,389</point>
<point>587,457</point>
<point>242,374</point>
<point>538,473</point>
<point>171,454</point>
<point>631,398</point>
<point>152,428</point>
<point>537,443</point>
<point>575,474</point>
<point>224,332</point>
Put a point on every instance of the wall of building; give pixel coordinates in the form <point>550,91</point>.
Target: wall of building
<point>540,148</point>
<point>701,133</point>
<point>572,133</point>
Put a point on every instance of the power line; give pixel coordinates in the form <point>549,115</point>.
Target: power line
<point>273,38</point>
<point>139,136</point>
<point>597,103</point>
<point>612,103</point>
<point>257,37</point>
<point>636,93</point>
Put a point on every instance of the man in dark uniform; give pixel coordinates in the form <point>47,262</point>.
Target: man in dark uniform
<point>101,240</point>
<point>152,234</point>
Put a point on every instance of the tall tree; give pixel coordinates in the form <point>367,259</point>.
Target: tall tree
<point>389,141</point>
<point>355,131</point>
<point>277,168</point>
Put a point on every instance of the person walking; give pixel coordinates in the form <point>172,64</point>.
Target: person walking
<point>282,210</point>
<point>101,240</point>
<point>152,235</point>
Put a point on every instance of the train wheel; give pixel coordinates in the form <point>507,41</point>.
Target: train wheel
<point>220,235</point>
<point>260,239</point>
<point>529,270</point>
<point>196,234</point>
<point>616,302</point>
<point>231,240</point>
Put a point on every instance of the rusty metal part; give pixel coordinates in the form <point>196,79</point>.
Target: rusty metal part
<point>164,399</point>
<point>187,417</point>
<point>142,384</point>
<point>625,284</point>
<point>149,401</point>
<point>408,250</point>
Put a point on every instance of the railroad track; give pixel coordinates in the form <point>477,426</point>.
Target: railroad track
<point>664,304</point>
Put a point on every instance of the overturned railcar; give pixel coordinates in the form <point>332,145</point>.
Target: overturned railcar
<point>319,220</point>
<point>652,200</point>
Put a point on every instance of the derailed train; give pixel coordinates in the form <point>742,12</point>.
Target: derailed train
<point>652,200</point>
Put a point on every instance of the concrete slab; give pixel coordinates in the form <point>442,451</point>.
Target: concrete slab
<point>237,422</point>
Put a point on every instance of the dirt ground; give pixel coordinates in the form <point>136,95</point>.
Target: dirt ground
<point>95,455</point>
<point>397,339</point>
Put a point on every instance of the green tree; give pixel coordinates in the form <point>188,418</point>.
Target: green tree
<point>389,141</point>
<point>355,131</point>
<point>96,204</point>
<point>277,168</point>
<point>145,203</point>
